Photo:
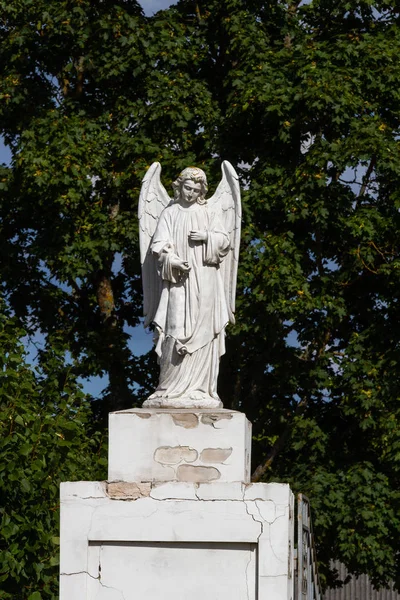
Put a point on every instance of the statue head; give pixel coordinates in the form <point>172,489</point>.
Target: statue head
<point>195,175</point>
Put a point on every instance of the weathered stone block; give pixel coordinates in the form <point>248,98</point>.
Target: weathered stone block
<point>214,541</point>
<point>186,445</point>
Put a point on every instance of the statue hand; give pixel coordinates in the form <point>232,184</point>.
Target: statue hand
<point>198,236</point>
<point>180,264</point>
<point>184,267</point>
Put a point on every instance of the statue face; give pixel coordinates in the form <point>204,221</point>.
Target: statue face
<point>190,191</point>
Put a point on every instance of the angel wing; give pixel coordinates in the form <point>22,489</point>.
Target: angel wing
<point>226,203</point>
<point>152,201</point>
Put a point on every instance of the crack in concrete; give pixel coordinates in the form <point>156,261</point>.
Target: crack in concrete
<point>212,499</point>
<point>153,512</point>
<point>109,587</point>
<point>270,541</point>
<point>91,497</point>
<point>276,505</point>
<point>81,573</point>
<point>91,522</point>
<point>261,522</point>
<point>175,499</point>
<point>269,537</point>
<point>101,484</point>
<point>247,575</point>
<point>103,584</point>
<point>273,552</point>
<point>98,578</point>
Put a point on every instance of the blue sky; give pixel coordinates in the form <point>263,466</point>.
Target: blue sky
<point>152,6</point>
<point>5,154</point>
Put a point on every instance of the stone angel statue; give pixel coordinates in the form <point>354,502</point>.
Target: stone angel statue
<point>189,249</point>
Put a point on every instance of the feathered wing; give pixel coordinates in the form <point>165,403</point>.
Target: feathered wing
<point>152,201</point>
<point>226,203</point>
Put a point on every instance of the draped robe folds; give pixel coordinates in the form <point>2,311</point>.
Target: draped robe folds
<point>192,313</point>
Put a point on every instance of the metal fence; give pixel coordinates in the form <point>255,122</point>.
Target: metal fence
<point>306,580</point>
<point>307,585</point>
<point>358,588</point>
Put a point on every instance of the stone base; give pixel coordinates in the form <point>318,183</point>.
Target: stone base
<point>182,402</point>
<point>214,541</point>
<point>189,445</point>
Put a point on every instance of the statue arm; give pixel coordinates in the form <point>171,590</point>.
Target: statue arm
<point>216,245</point>
<point>170,266</point>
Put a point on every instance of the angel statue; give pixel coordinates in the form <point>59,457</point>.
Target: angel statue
<point>189,249</point>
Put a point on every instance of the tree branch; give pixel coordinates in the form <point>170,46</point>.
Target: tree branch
<point>278,446</point>
<point>198,13</point>
<point>367,176</point>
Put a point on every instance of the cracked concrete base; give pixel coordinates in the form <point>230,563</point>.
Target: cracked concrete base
<point>180,540</point>
<point>190,445</point>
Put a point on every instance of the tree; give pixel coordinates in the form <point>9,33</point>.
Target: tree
<point>67,121</point>
<point>309,104</point>
<point>303,100</point>
<point>44,439</point>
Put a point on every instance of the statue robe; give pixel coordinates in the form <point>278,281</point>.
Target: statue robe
<point>192,313</point>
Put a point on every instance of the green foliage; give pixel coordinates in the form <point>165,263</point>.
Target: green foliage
<point>44,439</point>
<point>304,100</point>
<point>319,268</point>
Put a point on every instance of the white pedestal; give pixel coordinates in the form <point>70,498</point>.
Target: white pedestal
<point>211,541</point>
<point>190,445</point>
<point>178,517</point>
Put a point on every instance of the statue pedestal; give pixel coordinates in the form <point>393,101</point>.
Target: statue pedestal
<point>194,445</point>
<point>157,529</point>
